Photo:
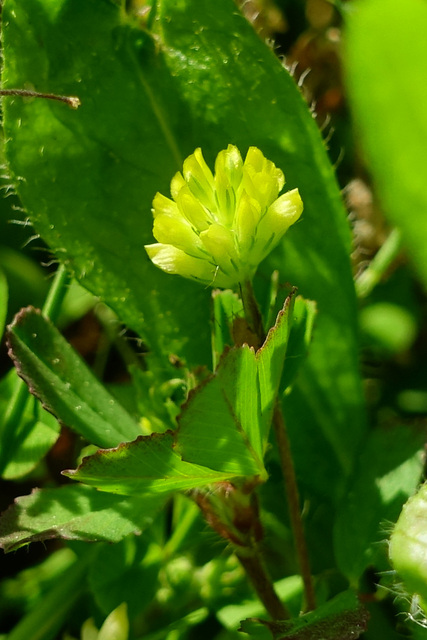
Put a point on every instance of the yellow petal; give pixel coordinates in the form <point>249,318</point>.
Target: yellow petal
<point>273,225</point>
<point>220,243</point>
<point>199,178</point>
<point>163,205</point>
<point>178,232</point>
<point>177,183</point>
<point>192,210</point>
<point>175,261</point>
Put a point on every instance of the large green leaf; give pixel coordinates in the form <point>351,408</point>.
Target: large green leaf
<point>64,384</point>
<point>90,175</point>
<point>204,79</point>
<point>387,66</point>
<point>74,512</point>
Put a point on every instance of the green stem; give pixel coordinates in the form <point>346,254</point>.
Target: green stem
<point>253,317</point>
<point>372,275</point>
<point>56,295</point>
<point>292,496</point>
<point>263,586</point>
<point>13,415</point>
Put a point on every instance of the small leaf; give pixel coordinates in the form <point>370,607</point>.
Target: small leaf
<point>219,424</point>
<point>27,442</point>
<point>147,466</point>
<point>225,423</point>
<point>64,384</point>
<point>301,334</point>
<point>342,618</point>
<point>227,310</point>
<point>270,360</point>
<point>74,512</point>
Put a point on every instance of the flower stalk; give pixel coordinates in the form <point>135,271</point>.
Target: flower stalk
<point>253,318</point>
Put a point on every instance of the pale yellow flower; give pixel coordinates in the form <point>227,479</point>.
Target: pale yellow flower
<point>218,227</point>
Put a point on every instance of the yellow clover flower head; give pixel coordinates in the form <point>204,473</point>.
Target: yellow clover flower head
<point>218,227</point>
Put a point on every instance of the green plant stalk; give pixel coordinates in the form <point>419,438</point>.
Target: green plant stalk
<point>56,295</point>
<point>46,619</point>
<point>20,395</point>
<point>369,278</point>
<point>253,317</point>
<point>263,585</point>
<point>292,495</point>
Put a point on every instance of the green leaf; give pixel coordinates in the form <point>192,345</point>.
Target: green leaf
<point>148,466</point>
<point>270,360</point>
<point>226,422</point>
<point>228,314</point>
<point>299,341</point>
<point>74,512</point>
<point>388,100</point>
<point>91,174</point>
<point>342,618</point>
<point>389,470</point>
<point>31,438</point>
<point>34,440</point>
<point>64,384</point>
<point>220,424</point>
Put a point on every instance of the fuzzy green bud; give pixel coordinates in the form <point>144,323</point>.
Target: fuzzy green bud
<point>408,546</point>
